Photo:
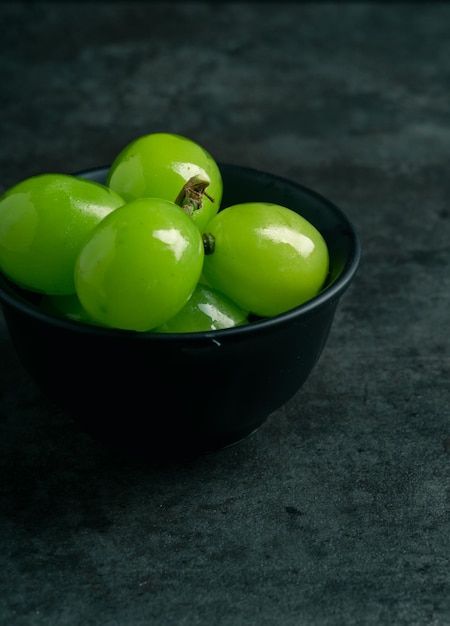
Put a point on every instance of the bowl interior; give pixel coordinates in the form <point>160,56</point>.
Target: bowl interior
<point>243,184</point>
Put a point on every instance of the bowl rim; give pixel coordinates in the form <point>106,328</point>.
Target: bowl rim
<point>329,293</point>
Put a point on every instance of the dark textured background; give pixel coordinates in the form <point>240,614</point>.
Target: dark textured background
<point>336,512</point>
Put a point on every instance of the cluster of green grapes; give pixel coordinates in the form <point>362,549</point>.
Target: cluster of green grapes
<point>152,249</point>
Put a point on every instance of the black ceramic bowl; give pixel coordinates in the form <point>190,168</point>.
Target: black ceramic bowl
<point>183,394</point>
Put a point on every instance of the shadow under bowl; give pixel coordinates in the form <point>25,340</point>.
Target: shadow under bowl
<point>167,396</point>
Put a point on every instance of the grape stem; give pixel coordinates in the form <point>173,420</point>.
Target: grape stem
<point>209,243</point>
<point>190,198</point>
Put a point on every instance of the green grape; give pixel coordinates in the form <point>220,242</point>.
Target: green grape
<point>161,165</point>
<point>266,258</point>
<point>140,265</point>
<point>207,309</point>
<point>44,220</point>
<point>68,307</point>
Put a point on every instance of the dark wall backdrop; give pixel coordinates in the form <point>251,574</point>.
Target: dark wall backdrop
<point>337,510</point>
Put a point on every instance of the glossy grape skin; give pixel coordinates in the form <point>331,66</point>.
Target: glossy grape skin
<point>159,165</point>
<point>44,220</point>
<point>207,309</point>
<point>68,307</point>
<point>267,258</point>
<point>140,265</point>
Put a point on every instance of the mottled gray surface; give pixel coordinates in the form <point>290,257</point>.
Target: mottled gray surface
<point>336,512</point>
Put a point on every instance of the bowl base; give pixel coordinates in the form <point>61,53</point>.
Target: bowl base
<point>168,448</point>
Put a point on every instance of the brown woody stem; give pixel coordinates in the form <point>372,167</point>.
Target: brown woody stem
<point>190,198</point>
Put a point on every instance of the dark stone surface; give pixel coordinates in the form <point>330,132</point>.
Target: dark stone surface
<point>337,510</point>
